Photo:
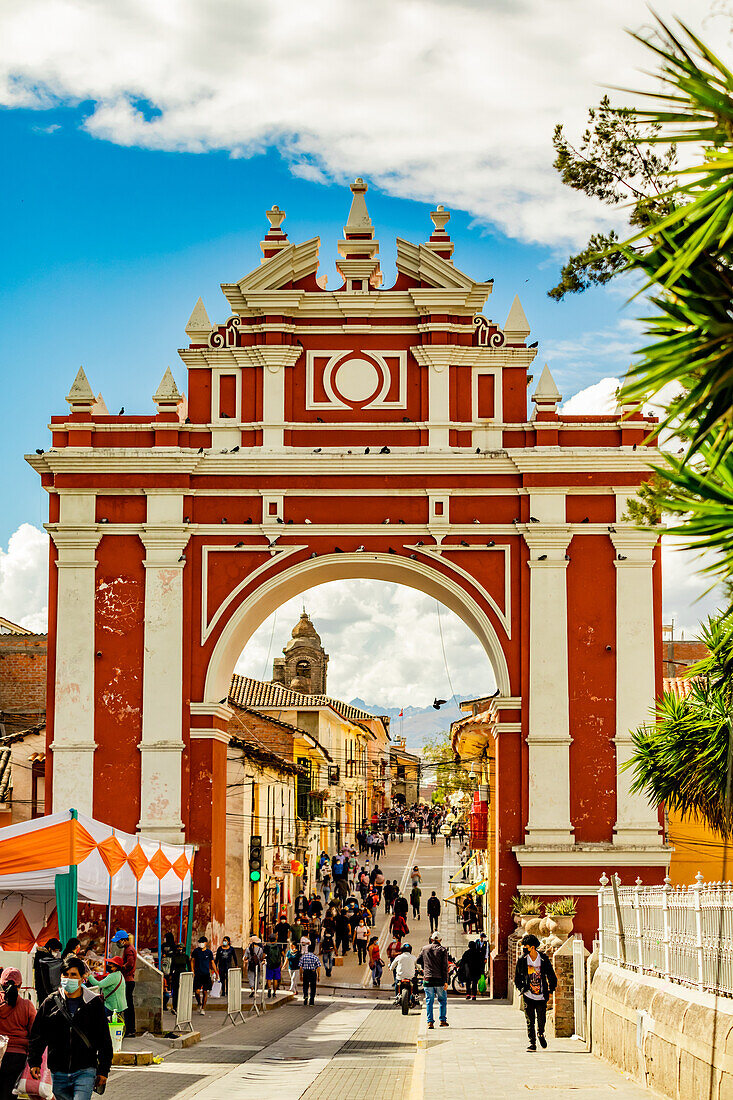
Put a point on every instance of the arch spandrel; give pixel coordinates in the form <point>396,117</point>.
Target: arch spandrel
<point>272,592</point>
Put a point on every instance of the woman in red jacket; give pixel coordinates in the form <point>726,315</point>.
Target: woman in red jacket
<point>16,1020</point>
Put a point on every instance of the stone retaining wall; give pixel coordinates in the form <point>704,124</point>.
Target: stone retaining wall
<point>674,1040</point>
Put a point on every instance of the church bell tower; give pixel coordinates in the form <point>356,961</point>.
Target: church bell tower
<point>303,666</point>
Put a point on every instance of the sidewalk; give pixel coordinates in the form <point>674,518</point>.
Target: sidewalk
<point>483,1052</point>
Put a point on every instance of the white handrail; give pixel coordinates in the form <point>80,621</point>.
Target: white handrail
<point>682,933</point>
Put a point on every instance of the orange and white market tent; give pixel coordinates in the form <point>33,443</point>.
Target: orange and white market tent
<point>53,862</point>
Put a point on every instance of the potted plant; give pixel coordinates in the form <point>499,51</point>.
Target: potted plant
<point>560,915</point>
<point>525,908</point>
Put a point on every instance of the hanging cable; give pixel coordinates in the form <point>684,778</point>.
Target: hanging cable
<point>445,660</point>
<point>269,648</point>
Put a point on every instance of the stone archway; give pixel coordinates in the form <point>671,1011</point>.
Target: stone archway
<point>271,594</point>
<point>358,431</point>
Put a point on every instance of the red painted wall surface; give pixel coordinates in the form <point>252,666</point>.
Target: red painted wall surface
<point>592,681</point>
<point>118,681</point>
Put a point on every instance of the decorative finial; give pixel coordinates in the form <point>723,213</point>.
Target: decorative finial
<point>81,395</point>
<point>358,263</point>
<point>167,397</point>
<point>604,880</point>
<point>547,396</point>
<point>199,325</point>
<point>440,242</point>
<point>516,327</point>
<point>276,239</point>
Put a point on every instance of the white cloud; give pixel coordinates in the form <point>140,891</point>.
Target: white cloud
<point>383,641</point>
<point>444,100</point>
<point>596,400</point>
<point>687,595</point>
<point>24,579</point>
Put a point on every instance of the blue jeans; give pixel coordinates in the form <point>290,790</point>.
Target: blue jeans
<point>431,992</point>
<point>74,1086</point>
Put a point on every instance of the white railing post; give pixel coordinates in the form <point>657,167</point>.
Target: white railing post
<point>601,917</point>
<point>665,925</point>
<point>620,931</point>
<point>637,906</point>
<point>697,887</point>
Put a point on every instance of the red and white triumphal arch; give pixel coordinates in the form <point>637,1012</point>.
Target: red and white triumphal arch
<point>357,432</point>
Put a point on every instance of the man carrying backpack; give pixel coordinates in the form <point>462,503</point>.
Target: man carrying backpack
<point>254,956</point>
<point>535,979</point>
<point>72,1024</point>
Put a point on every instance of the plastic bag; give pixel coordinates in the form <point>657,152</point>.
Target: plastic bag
<point>482,984</point>
<point>116,1032</point>
<point>28,1087</point>
<point>216,988</point>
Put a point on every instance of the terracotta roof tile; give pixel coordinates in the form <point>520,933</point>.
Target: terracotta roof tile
<point>681,686</point>
<point>256,694</point>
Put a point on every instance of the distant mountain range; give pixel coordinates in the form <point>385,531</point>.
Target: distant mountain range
<point>418,724</point>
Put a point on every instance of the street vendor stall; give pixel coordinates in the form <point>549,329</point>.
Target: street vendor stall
<point>50,864</point>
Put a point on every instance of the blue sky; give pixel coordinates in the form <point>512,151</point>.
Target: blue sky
<point>107,248</point>
<point>143,143</point>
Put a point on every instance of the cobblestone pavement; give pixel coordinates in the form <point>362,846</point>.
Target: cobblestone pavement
<point>354,1047</point>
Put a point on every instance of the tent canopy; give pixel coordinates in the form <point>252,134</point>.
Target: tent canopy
<point>141,870</point>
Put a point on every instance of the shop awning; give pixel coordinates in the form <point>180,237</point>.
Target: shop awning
<point>466,888</point>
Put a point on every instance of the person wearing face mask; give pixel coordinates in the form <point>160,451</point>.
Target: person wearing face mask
<point>16,1020</point>
<point>112,986</point>
<point>226,960</point>
<point>72,1025</point>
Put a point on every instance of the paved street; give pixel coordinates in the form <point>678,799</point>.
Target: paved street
<point>354,1045</point>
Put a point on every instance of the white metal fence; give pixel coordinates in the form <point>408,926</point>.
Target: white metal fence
<point>683,933</point>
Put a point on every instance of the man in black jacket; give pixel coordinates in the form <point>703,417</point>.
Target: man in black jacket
<point>434,960</point>
<point>434,911</point>
<point>535,980</point>
<point>73,1025</point>
<point>47,968</point>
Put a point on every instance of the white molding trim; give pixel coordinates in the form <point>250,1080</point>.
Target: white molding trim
<point>335,358</point>
<point>273,591</point>
<point>563,891</point>
<point>505,617</point>
<point>212,710</point>
<point>199,734</point>
<point>295,462</point>
<point>497,418</point>
<point>607,857</point>
<point>275,552</point>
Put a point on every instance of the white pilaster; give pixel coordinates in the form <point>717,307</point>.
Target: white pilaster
<point>549,720</point>
<point>161,747</point>
<point>636,820</point>
<point>73,731</point>
<point>437,358</point>
<point>274,358</point>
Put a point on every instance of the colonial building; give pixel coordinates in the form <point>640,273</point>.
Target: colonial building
<point>405,773</point>
<point>355,431</point>
<point>351,738</point>
<point>262,797</point>
<point>22,723</point>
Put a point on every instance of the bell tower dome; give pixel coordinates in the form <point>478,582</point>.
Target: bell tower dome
<point>303,666</point>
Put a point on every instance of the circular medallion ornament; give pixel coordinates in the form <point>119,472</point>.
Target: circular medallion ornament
<point>356,380</point>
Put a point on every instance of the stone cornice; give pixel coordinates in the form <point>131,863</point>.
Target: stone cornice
<point>551,542</point>
<point>442,356</point>
<point>637,545</point>
<point>298,462</point>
